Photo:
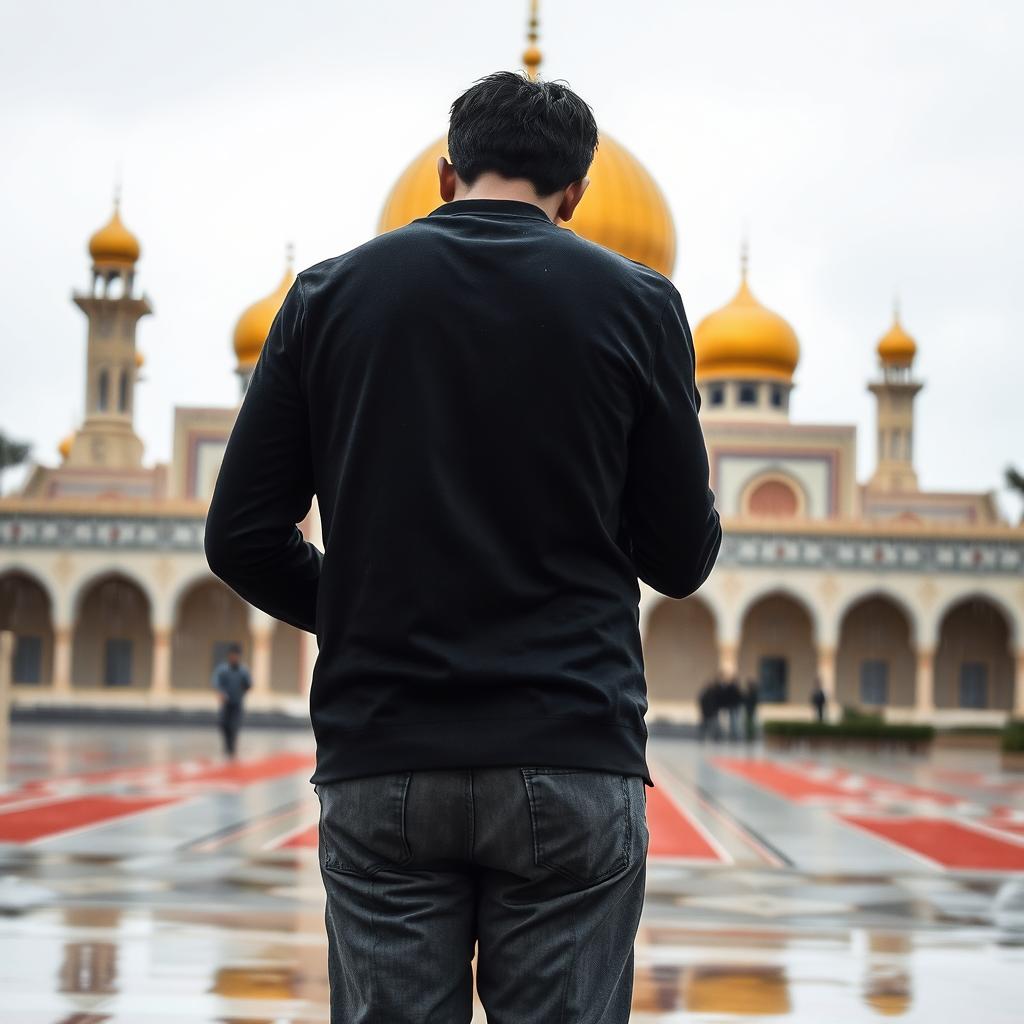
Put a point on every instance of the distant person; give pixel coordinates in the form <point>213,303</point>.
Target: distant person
<point>732,702</point>
<point>709,703</point>
<point>818,700</point>
<point>751,698</point>
<point>232,681</point>
<point>499,420</point>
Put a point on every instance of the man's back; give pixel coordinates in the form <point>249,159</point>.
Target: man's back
<point>499,421</point>
<point>473,380</point>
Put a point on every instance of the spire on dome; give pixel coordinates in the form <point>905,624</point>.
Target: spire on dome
<point>532,55</point>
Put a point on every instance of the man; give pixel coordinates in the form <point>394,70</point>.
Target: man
<point>732,701</point>
<point>232,681</point>
<point>709,705</point>
<point>818,700</point>
<point>751,698</point>
<point>499,419</point>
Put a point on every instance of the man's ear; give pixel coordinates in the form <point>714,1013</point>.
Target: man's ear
<point>571,199</point>
<point>446,179</point>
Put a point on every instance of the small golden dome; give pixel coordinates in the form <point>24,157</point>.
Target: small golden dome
<point>114,244</point>
<point>745,339</point>
<point>896,347</point>
<point>254,324</point>
<point>622,209</point>
<point>65,445</point>
<point>140,359</point>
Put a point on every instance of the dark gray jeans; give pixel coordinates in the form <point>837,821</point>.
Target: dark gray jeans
<point>542,869</point>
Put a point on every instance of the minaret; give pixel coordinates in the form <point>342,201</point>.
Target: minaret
<point>894,395</point>
<point>107,437</point>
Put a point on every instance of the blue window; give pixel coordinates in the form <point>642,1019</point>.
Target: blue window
<point>973,684</point>
<point>774,678</point>
<point>117,665</point>
<point>874,681</point>
<point>28,659</point>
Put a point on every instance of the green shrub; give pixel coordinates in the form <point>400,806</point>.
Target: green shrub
<point>853,715</point>
<point>870,728</point>
<point>1013,737</point>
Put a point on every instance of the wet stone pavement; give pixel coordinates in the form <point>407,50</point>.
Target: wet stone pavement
<point>143,879</point>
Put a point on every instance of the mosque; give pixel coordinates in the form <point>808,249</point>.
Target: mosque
<point>894,598</point>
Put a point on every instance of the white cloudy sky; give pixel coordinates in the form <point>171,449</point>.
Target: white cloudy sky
<point>869,148</point>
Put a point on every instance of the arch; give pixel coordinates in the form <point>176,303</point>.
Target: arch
<point>83,585</point>
<point>773,494</point>
<point>1008,611</point>
<point>112,643</point>
<point>26,609</point>
<point>974,666</point>
<point>783,590</point>
<point>774,477</point>
<point>875,662</point>
<point>208,617</point>
<point>894,598</point>
<point>680,649</point>
<point>777,647</point>
<point>286,660</point>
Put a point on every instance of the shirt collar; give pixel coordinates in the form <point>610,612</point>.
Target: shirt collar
<point>503,207</point>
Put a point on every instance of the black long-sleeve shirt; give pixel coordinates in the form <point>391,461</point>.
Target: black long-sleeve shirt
<point>499,421</point>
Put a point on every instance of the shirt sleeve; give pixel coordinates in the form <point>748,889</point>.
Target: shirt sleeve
<point>265,484</point>
<point>671,523</point>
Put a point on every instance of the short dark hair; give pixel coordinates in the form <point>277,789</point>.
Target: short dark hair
<point>521,128</point>
<point>234,648</point>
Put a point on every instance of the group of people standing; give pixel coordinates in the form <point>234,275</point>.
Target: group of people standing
<point>726,694</point>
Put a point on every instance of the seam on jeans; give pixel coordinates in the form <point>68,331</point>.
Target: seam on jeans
<point>533,815</point>
<point>401,819</point>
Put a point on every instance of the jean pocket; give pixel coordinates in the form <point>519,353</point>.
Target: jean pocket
<point>362,823</point>
<point>582,821</point>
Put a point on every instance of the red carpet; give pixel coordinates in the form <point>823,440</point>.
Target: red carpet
<point>49,819</point>
<point>947,842</point>
<point>771,776</point>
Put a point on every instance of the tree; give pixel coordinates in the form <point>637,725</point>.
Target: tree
<point>12,453</point>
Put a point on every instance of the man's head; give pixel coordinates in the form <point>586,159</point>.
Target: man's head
<point>234,654</point>
<point>510,136</point>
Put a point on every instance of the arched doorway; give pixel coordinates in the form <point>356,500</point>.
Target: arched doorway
<point>875,662</point>
<point>973,664</point>
<point>113,638</point>
<point>680,650</point>
<point>286,660</point>
<point>777,649</point>
<point>209,618</point>
<point>25,611</point>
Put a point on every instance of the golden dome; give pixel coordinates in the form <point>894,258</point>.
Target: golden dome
<point>745,339</point>
<point>896,347</point>
<point>254,324</point>
<point>139,359</point>
<point>65,445</point>
<point>114,244</point>
<point>623,208</point>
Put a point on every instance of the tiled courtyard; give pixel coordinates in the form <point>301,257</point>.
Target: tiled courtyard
<point>145,880</point>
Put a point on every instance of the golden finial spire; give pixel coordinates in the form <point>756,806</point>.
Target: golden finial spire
<point>744,257</point>
<point>531,55</point>
<point>896,308</point>
<point>289,254</point>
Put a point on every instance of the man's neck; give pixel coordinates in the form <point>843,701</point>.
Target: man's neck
<point>493,186</point>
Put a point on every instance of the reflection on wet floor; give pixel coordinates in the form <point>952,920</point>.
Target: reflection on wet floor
<point>763,902</point>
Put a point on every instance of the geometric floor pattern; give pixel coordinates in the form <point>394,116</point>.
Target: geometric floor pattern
<point>143,879</point>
